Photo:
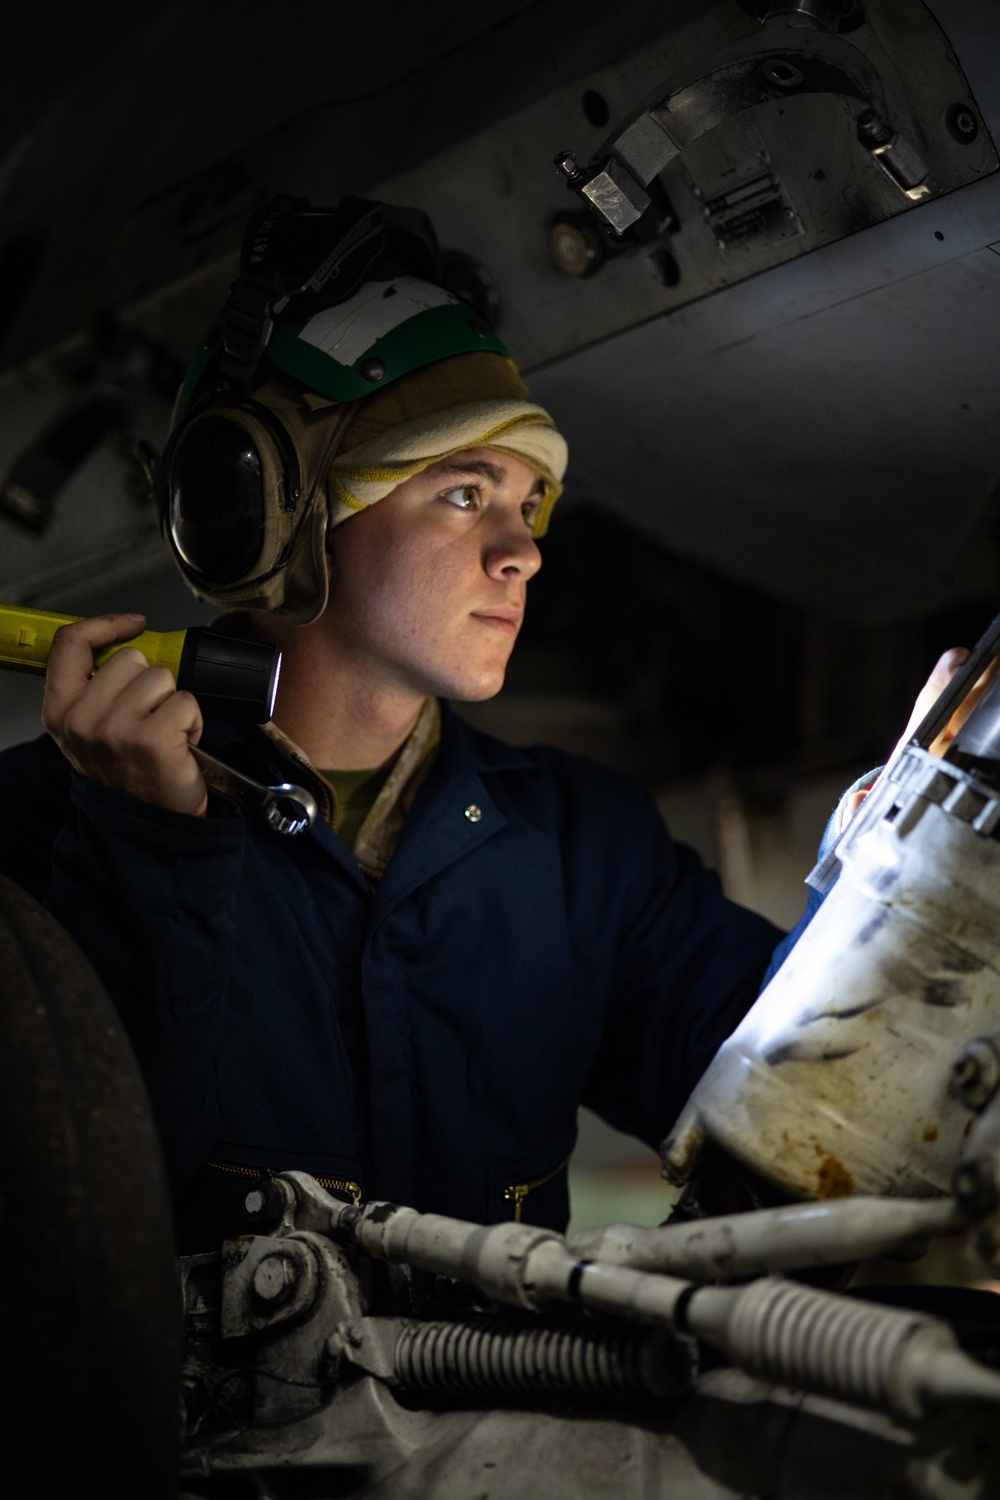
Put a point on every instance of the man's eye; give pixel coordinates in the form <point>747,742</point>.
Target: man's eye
<point>529,510</point>
<point>464,496</point>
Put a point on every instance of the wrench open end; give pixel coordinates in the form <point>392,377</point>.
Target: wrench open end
<point>288,809</point>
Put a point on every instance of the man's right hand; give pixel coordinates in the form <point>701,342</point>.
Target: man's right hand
<point>125,724</point>
<point>943,672</point>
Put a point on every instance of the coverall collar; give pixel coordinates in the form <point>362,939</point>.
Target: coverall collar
<point>452,814</point>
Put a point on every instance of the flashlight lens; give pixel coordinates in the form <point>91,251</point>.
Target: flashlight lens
<point>217,500</point>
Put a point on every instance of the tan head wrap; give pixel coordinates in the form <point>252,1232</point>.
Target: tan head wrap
<point>466,401</point>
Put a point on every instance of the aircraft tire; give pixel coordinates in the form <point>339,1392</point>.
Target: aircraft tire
<point>89,1304</point>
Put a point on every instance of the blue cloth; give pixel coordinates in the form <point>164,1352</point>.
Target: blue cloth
<point>431,1040</point>
<point>814,900</point>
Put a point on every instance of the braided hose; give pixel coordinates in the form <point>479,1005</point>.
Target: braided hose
<point>796,1335</point>
<point>496,1357</point>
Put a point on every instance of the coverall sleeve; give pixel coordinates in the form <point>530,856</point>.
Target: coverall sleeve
<point>150,897</point>
<point>815,900</point>
<point>689,966</point>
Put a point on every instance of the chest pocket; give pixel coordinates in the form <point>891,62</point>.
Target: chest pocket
<point>533,1189</point>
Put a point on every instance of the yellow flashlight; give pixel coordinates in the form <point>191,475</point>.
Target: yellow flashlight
<point>232,678</point>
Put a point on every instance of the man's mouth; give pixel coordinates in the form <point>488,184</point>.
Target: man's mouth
<point>505,618</point>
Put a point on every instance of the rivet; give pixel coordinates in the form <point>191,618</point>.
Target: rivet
<point>473,813</point>
<point>372,369</point>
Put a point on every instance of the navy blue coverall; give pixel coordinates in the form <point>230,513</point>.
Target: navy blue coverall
<point>537,941</point>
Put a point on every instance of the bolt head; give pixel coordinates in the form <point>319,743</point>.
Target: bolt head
<point>962,124</point>
<point>274,1280</point>
<point>372,369</point>
<point>264,1202</point>
<point>576,247</point>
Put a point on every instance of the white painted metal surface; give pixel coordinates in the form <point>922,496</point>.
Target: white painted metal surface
<point>774,1239</point>
<point>837,1081</point>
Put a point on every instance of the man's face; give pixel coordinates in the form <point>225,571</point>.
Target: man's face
<point>427,588</point>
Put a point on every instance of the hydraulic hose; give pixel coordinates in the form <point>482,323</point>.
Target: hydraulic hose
<point>790,1334</point>
<point>795,1236</point>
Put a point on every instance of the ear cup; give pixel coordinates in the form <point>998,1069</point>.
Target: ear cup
<point>242,492</point>
<point>231,486</point>
<point>216,500</point>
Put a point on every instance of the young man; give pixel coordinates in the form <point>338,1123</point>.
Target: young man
<point>412,1001</point>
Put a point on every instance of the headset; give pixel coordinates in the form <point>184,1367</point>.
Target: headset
<point>330,305</point>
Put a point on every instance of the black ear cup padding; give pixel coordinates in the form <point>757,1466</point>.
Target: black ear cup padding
<point>216,499</point>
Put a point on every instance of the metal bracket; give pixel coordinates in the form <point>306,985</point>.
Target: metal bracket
<point>679,112</point>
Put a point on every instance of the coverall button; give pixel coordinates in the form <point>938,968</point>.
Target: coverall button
<point>473,813</point>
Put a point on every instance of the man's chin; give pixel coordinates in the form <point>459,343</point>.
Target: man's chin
<point>478,692</point>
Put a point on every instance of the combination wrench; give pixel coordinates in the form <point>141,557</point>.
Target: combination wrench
<point>286,808</point>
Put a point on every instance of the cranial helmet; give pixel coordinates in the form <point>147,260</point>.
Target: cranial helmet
<point>340,365</point>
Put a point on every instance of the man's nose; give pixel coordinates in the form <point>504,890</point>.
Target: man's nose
<point>512,552</point>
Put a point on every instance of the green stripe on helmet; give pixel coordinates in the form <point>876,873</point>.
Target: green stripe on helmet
<point>428,335</point>
<point>436,333</point>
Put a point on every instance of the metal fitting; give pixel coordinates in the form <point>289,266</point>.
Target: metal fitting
<point>567,164</point>
<point>976,1073</point>
<point>874,129</point>
<point>975,1187</point>
<point>898,157</point>
<point>823,15</point>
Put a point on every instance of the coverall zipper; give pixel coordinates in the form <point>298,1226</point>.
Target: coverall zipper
<point>517,1192</point>
<point>331,1184</point>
